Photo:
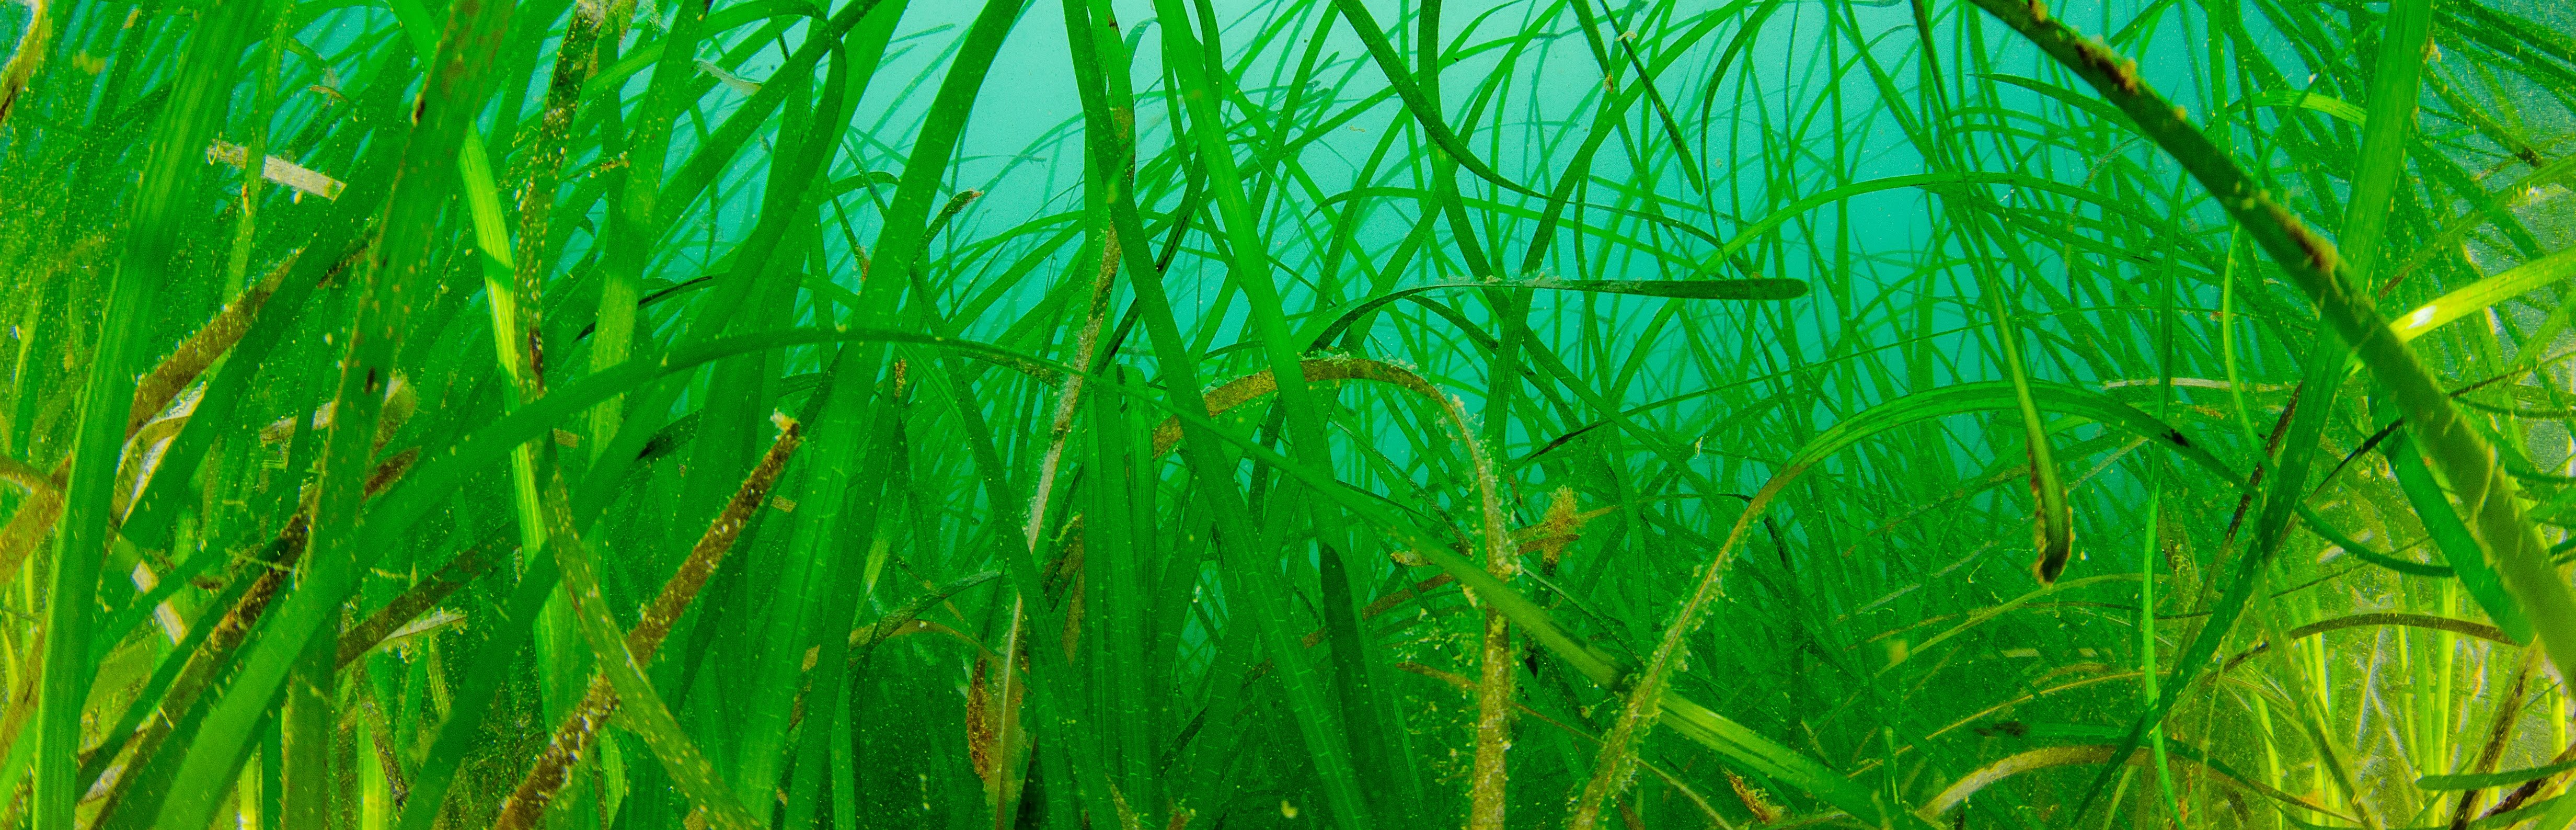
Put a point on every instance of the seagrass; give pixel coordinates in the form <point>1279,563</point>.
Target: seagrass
<point>1287,413</point>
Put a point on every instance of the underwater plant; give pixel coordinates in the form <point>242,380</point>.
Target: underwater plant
<point>1279,413</point>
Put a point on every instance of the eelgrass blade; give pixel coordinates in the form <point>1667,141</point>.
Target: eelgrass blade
<point>2479,296</point>
<point>2312,262</point>
<point>2453,539</point>
<point>572,740</point>
<point>26,57</point>
<point>651,719</point>
<point>148,778</point>
<point>575,58</point>
<point>166,184</point>
<point>1424,111</point>
<point>388,294</point>
<point>2078,755</point>
<point>1109,145</point>
<point>453,736</point>
<point>1685,716</point>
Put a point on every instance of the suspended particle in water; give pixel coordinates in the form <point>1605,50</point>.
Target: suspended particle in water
<point>1287,809</point>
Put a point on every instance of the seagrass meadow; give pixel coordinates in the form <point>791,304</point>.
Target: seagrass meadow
<point>1158,414</point>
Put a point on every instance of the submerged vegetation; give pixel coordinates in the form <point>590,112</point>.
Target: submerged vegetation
<point>1173,414</point>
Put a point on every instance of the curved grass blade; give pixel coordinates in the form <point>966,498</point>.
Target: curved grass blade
<point>1729,289</point>
<point>2427,622</point>
<point>1697,722</point>
<point>2458,546</point>
<point>2083,755</point>
<point>2479,296</point>
<point>453,737</point>
<point>203,87</point>
<point>573,739</point>
<point>2489,780</point>
<point>2457,450</point>
<point>27,57</point>
<point>1434,125</point>
<point>388,294</point>
<point>646,714</point>
<point>149,778</point>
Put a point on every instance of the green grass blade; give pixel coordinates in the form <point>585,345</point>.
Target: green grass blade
<point>167,182</point>
<point>455,89</point>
